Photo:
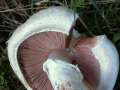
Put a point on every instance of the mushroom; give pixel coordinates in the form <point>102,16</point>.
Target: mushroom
<point>47,53</point>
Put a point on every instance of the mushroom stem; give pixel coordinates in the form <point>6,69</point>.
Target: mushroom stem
<point>64,75</point>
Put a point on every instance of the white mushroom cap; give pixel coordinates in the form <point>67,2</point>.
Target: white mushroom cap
<point>108,58</point>
<point>58,19</point>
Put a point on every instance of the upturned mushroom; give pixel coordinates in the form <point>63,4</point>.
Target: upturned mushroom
<point>47,53</point>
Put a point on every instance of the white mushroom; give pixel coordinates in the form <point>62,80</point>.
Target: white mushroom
<point>44,56</point>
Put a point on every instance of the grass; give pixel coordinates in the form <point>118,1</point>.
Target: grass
<point>96,18</point>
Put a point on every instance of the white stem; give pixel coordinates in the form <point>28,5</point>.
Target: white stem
<point>64,74</point>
